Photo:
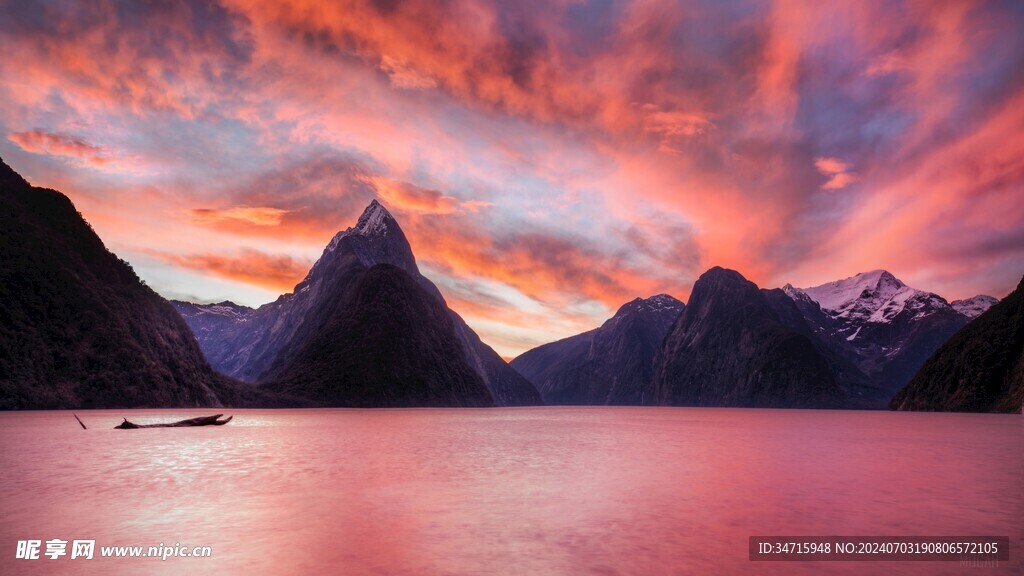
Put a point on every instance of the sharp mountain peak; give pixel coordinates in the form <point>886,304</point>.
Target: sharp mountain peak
<point>376,238</point>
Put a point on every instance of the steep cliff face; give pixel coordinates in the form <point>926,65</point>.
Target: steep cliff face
<point>858,388</point>
<point>730,348</point>
<point>382,342</point>
<point>610,365</point>
<point>980,369</point>
<point>77,326</point>
<point>508,387</point>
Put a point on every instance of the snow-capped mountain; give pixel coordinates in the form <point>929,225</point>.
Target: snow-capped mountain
<point>886,328</point>
<point>872,297</point>
<point>609,365</point>
<point>974,306</point>
<point>254,345</point>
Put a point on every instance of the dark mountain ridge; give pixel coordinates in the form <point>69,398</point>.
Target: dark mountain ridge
<point>384,342</point>
<point>730,348</point>
<point>609,365</point>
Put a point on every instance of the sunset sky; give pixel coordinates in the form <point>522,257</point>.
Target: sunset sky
<point>547,160</point>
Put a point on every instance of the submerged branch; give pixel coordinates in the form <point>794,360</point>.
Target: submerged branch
<point>200,421</point>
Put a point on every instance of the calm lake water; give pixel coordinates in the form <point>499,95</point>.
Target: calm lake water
<point>642,491</point>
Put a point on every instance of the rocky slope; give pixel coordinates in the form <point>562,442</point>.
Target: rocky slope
<point>209,323</point>
<point>382,342</point>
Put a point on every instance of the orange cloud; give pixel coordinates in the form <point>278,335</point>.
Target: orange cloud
<point>839,181</point>
<point>276,272</point>
<point>256,215</point>
<point>943,222</point>
<point>504,327</point>
<point>42,142</point>
<point>830,166</point>
<point>171,57</point>
<point>542,266</point>
<point>461,49</point>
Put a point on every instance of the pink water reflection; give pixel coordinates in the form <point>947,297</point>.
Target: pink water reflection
<point>503,491</point>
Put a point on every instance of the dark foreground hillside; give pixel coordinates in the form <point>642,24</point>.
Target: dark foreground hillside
<point>980,369</point>
<point>77,326</point>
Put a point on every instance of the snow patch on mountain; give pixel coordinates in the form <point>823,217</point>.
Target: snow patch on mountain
<point>873,297</point>
<point>664,302</point>
<point>661,306</point>
<point>226,309</point>
<point>974,306</point>
<point>374,220</point>
<point>375,239</point>
<point>884,327</point>
<point>659,303</point>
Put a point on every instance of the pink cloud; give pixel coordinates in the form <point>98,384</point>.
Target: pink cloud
<point>56,144</point>
<point>404,76</point>
<point>571,132</point>
<point>838,172</point>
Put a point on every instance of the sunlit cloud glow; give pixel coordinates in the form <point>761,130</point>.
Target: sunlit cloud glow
<point>277,272</point>
<point>547,162</point>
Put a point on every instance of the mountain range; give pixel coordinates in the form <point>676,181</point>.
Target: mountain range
<point>851,343</point>
<point>365,328</point>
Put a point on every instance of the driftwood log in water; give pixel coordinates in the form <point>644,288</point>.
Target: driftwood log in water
<point>200,421</point>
